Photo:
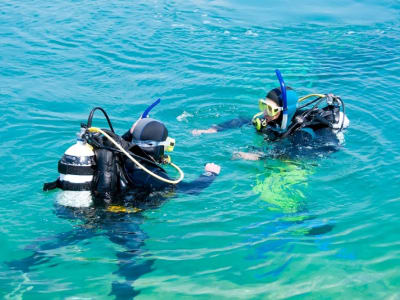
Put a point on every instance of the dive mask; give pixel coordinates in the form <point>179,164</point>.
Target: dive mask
<point>168,144</point>
<point>270,107</point>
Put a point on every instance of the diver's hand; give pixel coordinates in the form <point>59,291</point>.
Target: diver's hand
<point>246,156</point>
<point>197,132</point>
<point>212,168</point>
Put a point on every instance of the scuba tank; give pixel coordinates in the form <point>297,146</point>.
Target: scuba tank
<point>90,170</point>
<point>76,169</point>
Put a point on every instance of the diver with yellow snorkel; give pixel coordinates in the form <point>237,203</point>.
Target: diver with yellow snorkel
<point>311,129</point>
<point>103,168</point>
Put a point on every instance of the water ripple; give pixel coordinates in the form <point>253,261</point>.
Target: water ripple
<point>263,229</point>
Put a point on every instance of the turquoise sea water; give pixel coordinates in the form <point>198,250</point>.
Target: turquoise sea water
<point>270,229</point>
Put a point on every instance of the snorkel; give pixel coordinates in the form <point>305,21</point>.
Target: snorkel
<point>149,108</point>
<point>288,105</point>
<point>284,99</point>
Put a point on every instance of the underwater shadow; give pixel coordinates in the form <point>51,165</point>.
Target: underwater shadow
<point>281,185</point>
<point>119,224</point>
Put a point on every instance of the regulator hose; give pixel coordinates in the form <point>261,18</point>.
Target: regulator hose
<point>311,102</point>
<point>303,116</point>
<point>89,122</point>
<point>310,95</point>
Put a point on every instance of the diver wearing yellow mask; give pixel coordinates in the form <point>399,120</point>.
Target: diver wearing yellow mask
<point>308,126</point>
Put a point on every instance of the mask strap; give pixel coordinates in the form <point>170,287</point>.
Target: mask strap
<point>149,143</point>
<point>168,144</point>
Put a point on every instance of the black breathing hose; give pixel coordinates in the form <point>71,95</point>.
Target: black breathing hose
<point>89,123</point>
<point>303,116</point>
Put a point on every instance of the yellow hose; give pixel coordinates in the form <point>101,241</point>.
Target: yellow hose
<point>311,95</point>
<point>181,175</point>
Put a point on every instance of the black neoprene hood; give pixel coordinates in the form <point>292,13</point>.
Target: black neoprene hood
<point>275,95</point>
<point>149,129</point>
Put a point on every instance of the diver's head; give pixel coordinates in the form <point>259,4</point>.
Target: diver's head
<point>272,105</point>
<point>150,135</point>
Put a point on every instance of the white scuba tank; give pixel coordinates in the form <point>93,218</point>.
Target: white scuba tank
<point>76,169</point>
<point>341,122</point>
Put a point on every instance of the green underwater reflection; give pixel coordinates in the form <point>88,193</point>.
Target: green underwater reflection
<point>282,186</point>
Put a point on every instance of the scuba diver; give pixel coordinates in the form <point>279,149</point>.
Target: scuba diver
<point>104,169</point>
<point>309,130</point>
<point>107,181</point>
<point>297,131</point>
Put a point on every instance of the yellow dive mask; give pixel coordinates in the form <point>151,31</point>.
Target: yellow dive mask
<point>269,106</point>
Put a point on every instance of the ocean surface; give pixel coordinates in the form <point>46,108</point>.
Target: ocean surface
<point>326,228</point>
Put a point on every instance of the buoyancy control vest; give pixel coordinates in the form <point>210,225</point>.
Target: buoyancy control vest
<point>107,174</point>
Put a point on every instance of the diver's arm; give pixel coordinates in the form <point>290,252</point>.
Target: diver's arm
<point>194,187</point>
<point>234,123</point>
